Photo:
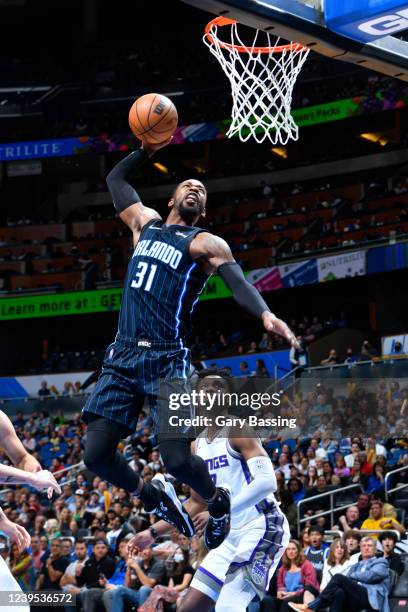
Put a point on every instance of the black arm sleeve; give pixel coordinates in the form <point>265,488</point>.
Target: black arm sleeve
<point>243,292</point>
<point>123,194</point>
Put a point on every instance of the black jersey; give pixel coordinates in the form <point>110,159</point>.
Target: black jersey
<point>162,284</point>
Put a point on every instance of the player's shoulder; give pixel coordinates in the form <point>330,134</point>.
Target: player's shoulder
<point>206,243</point>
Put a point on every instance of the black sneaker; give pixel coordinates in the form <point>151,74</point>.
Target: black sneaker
<point>170,508</point>
<point>217,529</point>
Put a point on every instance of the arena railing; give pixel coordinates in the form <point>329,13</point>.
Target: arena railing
<point>403,468</point>
<point>76,468</point>
<point>333,508</point>
<point>366,532</point>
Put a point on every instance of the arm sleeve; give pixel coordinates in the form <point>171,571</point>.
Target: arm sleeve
<point>123,194</point>
<point>243,292</point>
<point>263,484</point>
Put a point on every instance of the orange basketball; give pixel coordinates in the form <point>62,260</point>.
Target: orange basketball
<point>153,118</point>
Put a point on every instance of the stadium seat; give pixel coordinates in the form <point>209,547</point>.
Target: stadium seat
<point>399,595</point>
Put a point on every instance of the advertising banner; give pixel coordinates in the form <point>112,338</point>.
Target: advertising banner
<point>394,346</point>
<point>199,132</point>
<point>298,274</point>
<point>345,265</point>
<point>265,279</point>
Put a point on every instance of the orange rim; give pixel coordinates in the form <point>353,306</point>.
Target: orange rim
<point>224,21</point>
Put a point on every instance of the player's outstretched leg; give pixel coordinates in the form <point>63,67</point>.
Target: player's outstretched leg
<point>103,458</point>
<point>192,470</point>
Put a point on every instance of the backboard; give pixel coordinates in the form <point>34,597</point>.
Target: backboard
<point>364,32</point>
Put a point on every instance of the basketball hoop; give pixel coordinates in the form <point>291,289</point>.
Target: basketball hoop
<point>262,80</point>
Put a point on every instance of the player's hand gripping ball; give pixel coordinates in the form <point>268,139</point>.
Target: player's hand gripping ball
<point>153,118</point>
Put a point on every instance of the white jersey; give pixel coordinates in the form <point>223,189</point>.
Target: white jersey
<point>228,468</point>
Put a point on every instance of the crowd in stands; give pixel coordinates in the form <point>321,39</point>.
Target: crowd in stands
<point>79,539</point>
<point>270,225</point>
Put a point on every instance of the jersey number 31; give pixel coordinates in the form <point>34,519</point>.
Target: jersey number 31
<point>142,269</point>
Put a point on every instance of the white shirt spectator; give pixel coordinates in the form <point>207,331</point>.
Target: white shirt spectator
<point>380,450</point>
<point>330,570</point>
<point>285,469</point>
<point>349,460</point>
<point>70,572</point>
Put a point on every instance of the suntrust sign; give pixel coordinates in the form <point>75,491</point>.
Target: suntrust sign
<point>16,151</point>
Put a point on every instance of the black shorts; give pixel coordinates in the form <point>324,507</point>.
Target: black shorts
<point>131,373</point>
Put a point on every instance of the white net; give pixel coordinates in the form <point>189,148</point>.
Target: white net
<point>262,80</point>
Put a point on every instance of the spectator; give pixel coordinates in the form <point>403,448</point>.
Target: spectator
<point>388,541</point>
<point>379,521</point>
<point>321,408</point>
<point>68,581</point>
<point>180,577</point>
<point>99,565</point>
<point>36,553</point>
<point>337,562</point>
<point>284,466</point>
<point>253,347</point>
<point>332,359</point>
<point>297,580</point>
<point>167,548</point>
<point>66,548</point>
<point>44,390</point>
<point>341,470</point>
<point>363,505</point>
<point>352,540</point>
<point>365,586</point>
<point>53,568</point>
<point>349,459</point>
<point>142,575</point>
<point>244,369</point>
<point>52,529</point>
<point>377,479</point>
<point>104,593</point>
<point>374,449</point>
<point>295,488</point>
<point>155,462</point>
<point>317,550</point>
<point>350,356</point>
<point>368,352</point>
<point>261,369</point>
<point>349,521</point>
<point>356,476</point>
<point>298,356</point>
<point>21,566</point>
<point>366,468</point>
<point>321,487</point>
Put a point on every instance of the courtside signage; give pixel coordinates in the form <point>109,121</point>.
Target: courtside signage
<point>84,302</point>
<point>304,272</point>
<point>197,132</point>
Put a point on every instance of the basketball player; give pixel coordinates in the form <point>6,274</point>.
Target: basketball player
<point>242,566</point>
<point>169,267</point>
<point>25,470</point>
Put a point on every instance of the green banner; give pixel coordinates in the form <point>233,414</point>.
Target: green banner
<point>84,302</point>
<point>313,115</point>
<point>331,111</point>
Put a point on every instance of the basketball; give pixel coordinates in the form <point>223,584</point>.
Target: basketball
<point>153,118</point>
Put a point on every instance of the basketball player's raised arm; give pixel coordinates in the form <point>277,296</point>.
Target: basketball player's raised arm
<point>14,448</point>
<point>261,469</point>
<point>216,254</point>
<point>25,469</point>
<point>125,198</point>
